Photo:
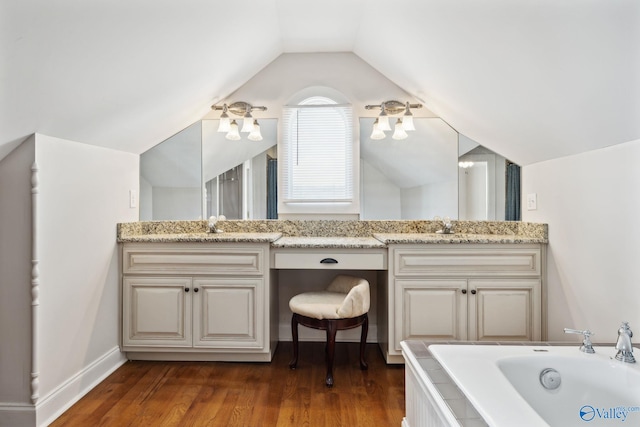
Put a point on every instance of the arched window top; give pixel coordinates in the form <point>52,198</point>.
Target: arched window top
<point>317,100</point>
<point>318,92</point>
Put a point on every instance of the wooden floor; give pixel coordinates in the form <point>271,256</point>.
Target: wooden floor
<point>248,394</point>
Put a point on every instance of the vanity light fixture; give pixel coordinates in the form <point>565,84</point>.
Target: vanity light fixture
<point>465,165</point>
<point>403,124</point>
<point>249,124</point>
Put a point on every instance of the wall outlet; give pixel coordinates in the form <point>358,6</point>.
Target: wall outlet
<point>133,199</point>
<point>532,201</point>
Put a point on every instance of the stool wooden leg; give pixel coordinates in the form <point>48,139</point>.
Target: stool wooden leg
<point>294,334</point>
<point>363,342</point>
<point>331,347</point>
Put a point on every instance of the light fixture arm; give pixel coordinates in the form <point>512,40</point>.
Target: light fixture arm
<point>393,107</point>
<point>238,108</point>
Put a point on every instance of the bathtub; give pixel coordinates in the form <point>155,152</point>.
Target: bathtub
<point>504,383</point>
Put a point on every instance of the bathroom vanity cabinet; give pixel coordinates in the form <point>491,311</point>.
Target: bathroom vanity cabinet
<point>198,301</point>
<point>473,292</point>
<point>188,294</point>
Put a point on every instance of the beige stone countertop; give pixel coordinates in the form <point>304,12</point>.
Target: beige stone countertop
<point>202,237</point>
<point>328,242</point>
<point>417,238</point>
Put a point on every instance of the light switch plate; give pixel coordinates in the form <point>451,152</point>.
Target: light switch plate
<point>133,199</point>
<point>532,201</point>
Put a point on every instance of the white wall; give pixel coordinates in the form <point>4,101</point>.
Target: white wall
<point>591,202</point>
<point>84,193</point>
<point>15,285</point>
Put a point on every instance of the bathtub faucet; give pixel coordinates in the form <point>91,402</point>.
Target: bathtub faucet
<point>586,346</point>
<point>624,347</point>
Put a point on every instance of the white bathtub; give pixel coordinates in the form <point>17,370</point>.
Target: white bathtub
<point>503,384</point>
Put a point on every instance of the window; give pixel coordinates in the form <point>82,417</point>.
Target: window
<point>317,156</point>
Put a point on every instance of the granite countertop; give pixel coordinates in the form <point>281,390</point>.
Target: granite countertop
<point>202,237</point>
<point>332,233</point>
<point>408,238</point>
<point>328,242</point>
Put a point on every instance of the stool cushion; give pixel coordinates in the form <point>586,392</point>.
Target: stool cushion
<point>345,297</point>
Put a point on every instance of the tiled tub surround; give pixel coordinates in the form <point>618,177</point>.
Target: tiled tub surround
<point>387,232</point>
<point>432,397</point>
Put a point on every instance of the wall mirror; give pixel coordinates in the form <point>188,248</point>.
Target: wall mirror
<point>413,178</point>
<point>198,173</point>
<point>433,172</point>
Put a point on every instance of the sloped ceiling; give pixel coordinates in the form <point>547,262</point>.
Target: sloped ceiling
<point>530,79</point>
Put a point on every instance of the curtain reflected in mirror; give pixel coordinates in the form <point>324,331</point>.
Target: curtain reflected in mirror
<point>512,208</point>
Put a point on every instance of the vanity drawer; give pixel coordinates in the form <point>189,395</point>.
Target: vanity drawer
<point>505,261</point>
<point>192,259</point>
<point>328,260</point>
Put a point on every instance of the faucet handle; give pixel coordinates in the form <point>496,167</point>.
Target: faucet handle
<point>625,329</point>
<point>587,346</point>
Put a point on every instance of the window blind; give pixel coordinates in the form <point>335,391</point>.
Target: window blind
<point>317,156</point>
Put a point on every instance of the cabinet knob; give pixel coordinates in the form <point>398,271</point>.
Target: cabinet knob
<point>195,289</point>
<point>186,289</point>
<point>464,291</point>
<point>473,291</point>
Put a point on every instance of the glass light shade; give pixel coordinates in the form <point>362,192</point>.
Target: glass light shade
<point>225,123</point>
<point>383,122</point>
<point>255,134</point>
<point>407,122</point>
<point>233,133</point>
<point>399,132</point>
<point>377,133</point>
<point>247,123</point>
<point>407,118</point>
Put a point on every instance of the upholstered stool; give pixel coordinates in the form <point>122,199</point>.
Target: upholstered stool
<point>343,305</point>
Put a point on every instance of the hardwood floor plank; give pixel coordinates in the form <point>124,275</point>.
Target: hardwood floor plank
<point>142,393</point>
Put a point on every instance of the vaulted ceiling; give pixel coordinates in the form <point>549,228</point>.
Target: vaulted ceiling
<point>530,79</point>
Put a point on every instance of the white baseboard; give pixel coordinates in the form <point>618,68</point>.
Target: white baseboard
<point>17,415</point>
<point>55,403</point>
<point>308,334</point>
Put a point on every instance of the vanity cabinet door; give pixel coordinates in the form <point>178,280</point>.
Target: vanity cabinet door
<point>157,311</point>
<point>504,309</point>
<point>430,309</point>
<point>228,313</point>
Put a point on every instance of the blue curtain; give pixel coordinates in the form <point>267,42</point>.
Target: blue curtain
<point>272,189</point>
<point>512,208</point>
